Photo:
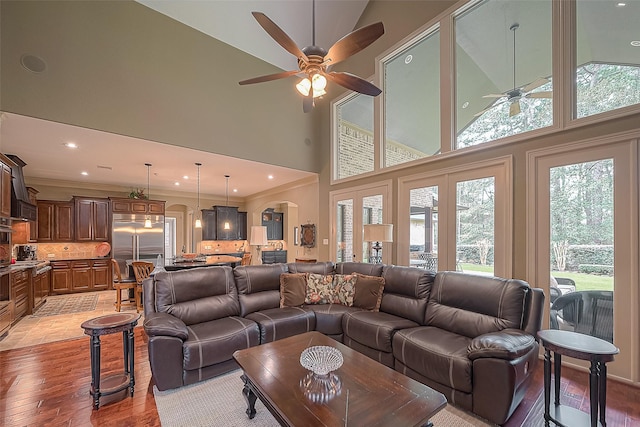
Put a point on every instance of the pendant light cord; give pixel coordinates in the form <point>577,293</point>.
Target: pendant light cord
<point>148,165</point>
<point>227,191</point>
<point>313,23</point>
<point>198,207</point>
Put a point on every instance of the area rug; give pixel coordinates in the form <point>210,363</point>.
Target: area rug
<point>66,304</point>
<point>219,402</point>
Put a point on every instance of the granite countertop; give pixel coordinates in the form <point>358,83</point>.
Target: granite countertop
<point>25,265</point>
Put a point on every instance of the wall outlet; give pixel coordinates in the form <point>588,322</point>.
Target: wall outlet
<point>51,255</point>
<point>325,241</point>
<point>207,247</point>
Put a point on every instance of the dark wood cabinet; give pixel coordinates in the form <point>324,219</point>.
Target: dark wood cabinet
<point>91,219</point>
<point>273,257</point>
<point>135,206</point>
<point>20,285</point>
<point>213,223</point>
<point>56,221</point>
<point>40,289</point>
<point>274,223</point>
<point>5,190</point>
<point>80,276</point>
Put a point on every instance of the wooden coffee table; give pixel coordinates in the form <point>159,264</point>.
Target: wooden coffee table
<point>370,393</point>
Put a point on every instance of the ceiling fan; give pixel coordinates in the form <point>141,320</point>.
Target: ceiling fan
<point>314,62</point>
<point>515,95</point>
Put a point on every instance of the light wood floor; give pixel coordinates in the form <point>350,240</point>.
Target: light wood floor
<point>48,384</point>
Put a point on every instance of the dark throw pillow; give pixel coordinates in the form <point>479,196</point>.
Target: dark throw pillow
<point>292,289</point>
<point>368,293</point>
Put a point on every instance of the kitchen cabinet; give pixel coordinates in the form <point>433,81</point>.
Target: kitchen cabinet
<point>40,289</point>
<point>5,316</point>
<point>55,221</point>
<point>273,257</point>
<point>80,275</point>
<point>91,219</point>
<point>5,190</point>
<point>137,206</point>
<point>20,286</point>
<point>274,223</point>
<point>213,221</point>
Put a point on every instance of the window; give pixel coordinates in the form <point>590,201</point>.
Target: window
<point>412,102</point>
<point>423,227</point>
<point>503,70</point>
<point>607,56</point>
<point>355,150</point>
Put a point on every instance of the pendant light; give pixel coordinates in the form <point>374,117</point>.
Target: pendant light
<point>227,225</point>
<point>147,221</point>
<point>198,221</point>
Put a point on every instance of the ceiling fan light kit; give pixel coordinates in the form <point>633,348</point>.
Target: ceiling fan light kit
<point>314,62</point>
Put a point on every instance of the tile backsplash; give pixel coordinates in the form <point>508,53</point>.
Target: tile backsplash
<point>70,250</point>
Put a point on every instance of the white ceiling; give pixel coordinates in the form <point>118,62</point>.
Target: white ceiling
<point>120,160</point>
<point>40,143</point>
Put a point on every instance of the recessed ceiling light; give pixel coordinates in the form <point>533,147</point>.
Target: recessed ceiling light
<point>635,43</point>
<point>176,183</point>
<point>270,177</point>
<point>465,105</point>
<point>84,173</point>
<point>408,59</point>
<point>70,145</point>
<point>621,4</point>
<point>235,190</point>
<point>33,63</point>
<point>185,177</point>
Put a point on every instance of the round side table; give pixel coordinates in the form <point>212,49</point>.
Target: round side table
<point>104,325</point>
<point>578,346</point>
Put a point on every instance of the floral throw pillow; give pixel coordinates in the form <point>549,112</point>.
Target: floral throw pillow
<point>319,289</point>
<point>344,287</point>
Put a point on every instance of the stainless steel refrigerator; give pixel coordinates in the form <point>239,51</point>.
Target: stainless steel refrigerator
<point>131,241</point>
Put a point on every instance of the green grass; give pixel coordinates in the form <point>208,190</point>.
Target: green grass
<point>584,282</point>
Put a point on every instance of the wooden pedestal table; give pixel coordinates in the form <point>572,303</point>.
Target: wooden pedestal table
<point>578,346</point>
<point>104,325</point>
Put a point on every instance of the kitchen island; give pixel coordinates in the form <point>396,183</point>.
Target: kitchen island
<point>208,261</point>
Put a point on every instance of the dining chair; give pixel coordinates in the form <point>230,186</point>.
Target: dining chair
<point>246,259</point>
<point>141,270</point>
<point>120,284</point>
<point>586,312</point>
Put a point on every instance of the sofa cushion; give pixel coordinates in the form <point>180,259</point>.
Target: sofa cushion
<point>258,286</point>
<point>278,323</point>
<point>374,329</point>
<point>325,268</point>
<point>368,292</point>
<point>472,305</point>
<point>197,295</point>
<point>406,291</point>
<point>329,317</point>
<point>215,341</point>
<point>359,267</point>
<point>436,354</point>
<point>292,289</point>
<point>319,289</point>
<point>344,289</point>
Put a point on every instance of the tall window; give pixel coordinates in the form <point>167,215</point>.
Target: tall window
<point>412,102</point>
<point>354,149</point>
<point>423,229</point>
<point>503,69</point>
<point>344,230</point>
<point>607,56</point>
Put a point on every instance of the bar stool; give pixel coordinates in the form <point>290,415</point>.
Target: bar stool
<point>119,284</point>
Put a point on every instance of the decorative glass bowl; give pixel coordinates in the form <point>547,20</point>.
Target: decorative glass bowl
<point>321,389</point>
<point>321,359</point>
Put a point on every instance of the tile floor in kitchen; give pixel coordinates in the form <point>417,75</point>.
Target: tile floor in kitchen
<point>32,330</point>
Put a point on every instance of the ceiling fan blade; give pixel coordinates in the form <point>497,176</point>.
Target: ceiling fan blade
<point>308,103</point>
<point>279,36</point>
<point>492,106</point>
<point>353,82</point>
<point>535,84</point>
<point>545,94</point>
<point>269,77</point>
<point>494,95</point>
<point>354,42</point>
<point>514,108</point>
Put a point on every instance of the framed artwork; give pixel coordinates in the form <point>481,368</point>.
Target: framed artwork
<point>308,235</point>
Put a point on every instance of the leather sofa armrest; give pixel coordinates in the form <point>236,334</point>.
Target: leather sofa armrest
<point>164,324</point>
<point>508,344</point>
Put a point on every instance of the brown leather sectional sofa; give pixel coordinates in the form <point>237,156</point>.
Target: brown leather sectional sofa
<point>469,337</point>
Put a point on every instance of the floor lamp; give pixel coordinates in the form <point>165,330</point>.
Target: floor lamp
<point>378,233</point>
<point>258,238</point>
